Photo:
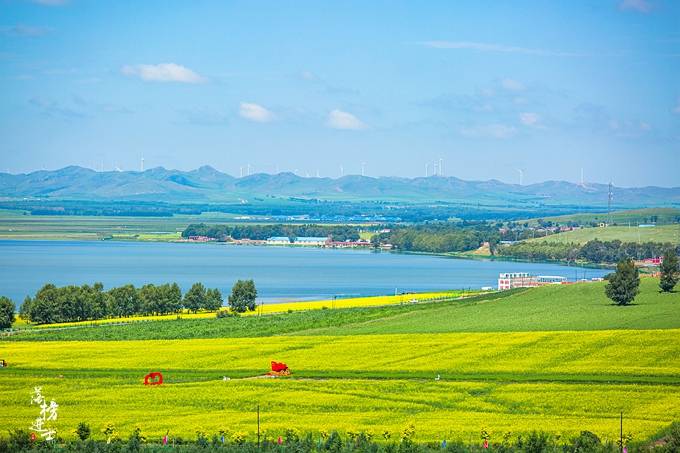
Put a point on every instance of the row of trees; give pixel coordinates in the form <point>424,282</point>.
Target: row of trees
<point>594,251</point>
<point>53,304</point>
<point>440,237</point>
<point>262,232</point>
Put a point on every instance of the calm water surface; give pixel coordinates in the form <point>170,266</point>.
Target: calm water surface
<point>280,273</point>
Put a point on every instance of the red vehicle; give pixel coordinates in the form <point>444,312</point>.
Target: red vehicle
<point>279,369</point>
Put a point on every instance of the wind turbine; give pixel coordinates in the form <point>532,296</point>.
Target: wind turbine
<point>363,169</point>
<point>427,166</point>
<point>441,167</point>
<point>342,171</point>
<point>141,165</point>
<point>521,176</point>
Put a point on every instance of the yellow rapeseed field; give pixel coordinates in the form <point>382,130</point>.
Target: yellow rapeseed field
<point>561,382</point>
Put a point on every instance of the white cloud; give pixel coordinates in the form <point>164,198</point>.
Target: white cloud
<point>529,118</point>
<point>643,6</point>
<point>491,47</point>
<point>337,119</point>
<point>24,30</point>
<point>499,131</point>
<point>512,85</point>
<point>255,112</point>
<point>163,72</point>
<point>308,75</point>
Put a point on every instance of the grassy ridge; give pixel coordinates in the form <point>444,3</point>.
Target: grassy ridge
<point>245,326</point>
<point>557,307</point>
<point>662,233</point>
<point>634,216</point>
<point>352,302</point>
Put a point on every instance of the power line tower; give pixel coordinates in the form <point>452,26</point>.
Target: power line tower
<point>610,195</point>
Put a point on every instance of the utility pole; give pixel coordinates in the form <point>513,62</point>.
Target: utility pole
<point>610,195</point>
<point>621,438</point>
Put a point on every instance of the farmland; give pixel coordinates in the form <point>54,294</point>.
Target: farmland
<point>503,364</point>
<point>661,233</point>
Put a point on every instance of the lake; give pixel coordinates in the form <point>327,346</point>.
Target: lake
<point>280,273</point>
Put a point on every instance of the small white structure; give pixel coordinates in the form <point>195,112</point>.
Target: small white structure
<point>311,240</point>
<point>278,240</point>
<point>551,279</point>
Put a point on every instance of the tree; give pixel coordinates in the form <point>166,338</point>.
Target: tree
<point>624,284</point>
<point>670,271</point>
<point>123,301</point>
<point>6,312</point>
<point>213,299</point>
<point>147,297</point>
<point>243,295</point>
<point>195,298</point>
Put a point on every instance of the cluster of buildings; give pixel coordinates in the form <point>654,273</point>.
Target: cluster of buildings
<point>315,241</point>
<point>308,240</point>
<point>510,280</point>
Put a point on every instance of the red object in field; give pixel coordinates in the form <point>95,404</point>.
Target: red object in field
<point>279,366</point>
<point>154,378</point>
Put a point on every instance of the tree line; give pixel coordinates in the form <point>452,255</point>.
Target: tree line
<point>594,251</point>
<point>262,232</point>
<point>440,237</point>
<point>53,304</point>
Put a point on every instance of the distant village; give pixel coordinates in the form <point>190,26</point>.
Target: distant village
<point>304,241</point>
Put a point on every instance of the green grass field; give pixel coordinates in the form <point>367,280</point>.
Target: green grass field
<point>560,359</point>
<point>632,216</point>
<point>662,233</point>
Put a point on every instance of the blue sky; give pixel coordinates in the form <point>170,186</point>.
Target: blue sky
<point>489,87</point>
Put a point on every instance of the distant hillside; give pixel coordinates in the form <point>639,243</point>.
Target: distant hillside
<point>663,234</point>
<point>206,184</point>
<point>658,216</point>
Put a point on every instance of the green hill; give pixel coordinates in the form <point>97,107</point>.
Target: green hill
<point>634,217</point>
<point>663,233</point>
<point>556,307</point>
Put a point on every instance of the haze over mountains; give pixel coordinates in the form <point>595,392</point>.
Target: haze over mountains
<point>206,184</point>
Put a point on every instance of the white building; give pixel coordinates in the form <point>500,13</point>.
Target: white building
<point>278,240</point>
<point>510,280</point>
<point>311,240</point>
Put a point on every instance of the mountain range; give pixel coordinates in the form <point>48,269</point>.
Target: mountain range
<point>208,185</point>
